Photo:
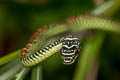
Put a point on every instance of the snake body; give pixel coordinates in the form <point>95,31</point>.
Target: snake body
<point>27,59</point>
<point>69,47</point>
<point>42,54</point>
<point>32,55</point>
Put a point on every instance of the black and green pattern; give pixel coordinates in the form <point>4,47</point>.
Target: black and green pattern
<point>68,56</point>
<point>42,54</point>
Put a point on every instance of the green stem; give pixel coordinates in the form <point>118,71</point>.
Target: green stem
<point>37,72</point>
<point>11,72</point>
<point>108,8</point>
<point>90,50</point>
<point>8,66</point>
<point>9,57</point>
<point>22,74</point>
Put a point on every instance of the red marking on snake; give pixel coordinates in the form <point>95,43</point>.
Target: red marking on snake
<point>73,18</point>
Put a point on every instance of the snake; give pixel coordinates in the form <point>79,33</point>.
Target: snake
<point>68,46</point>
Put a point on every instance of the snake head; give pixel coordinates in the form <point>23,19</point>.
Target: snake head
<point>70,49</point>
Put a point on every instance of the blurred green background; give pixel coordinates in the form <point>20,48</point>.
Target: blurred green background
<point>19,19</point>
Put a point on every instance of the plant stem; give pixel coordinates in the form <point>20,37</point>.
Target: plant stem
<point>8,66</point>
<point>37,72</point>
<point>9,57</point>
<point>22,74</point>
<point>11,72</point>
<point>90,50</point>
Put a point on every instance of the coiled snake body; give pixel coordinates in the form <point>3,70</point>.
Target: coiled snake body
<point>68,46</point>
